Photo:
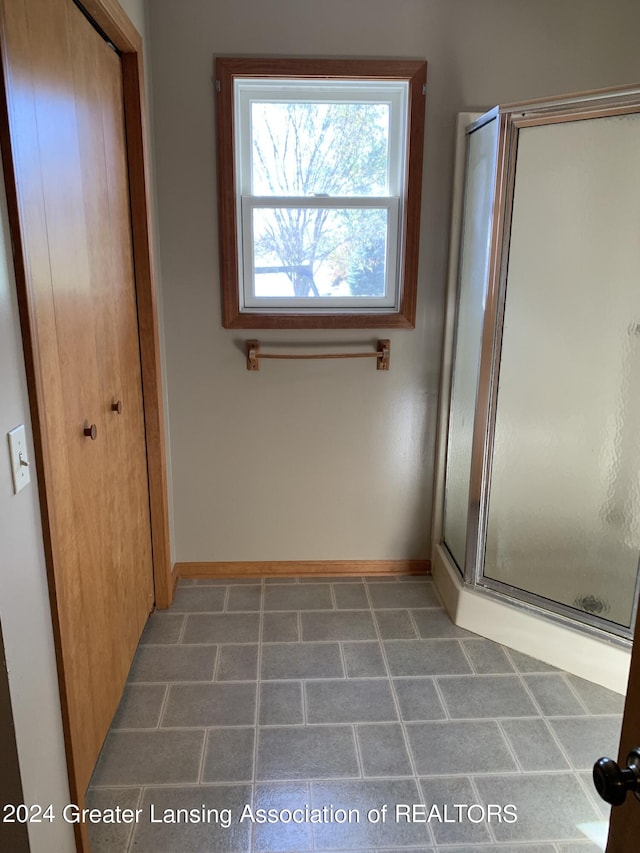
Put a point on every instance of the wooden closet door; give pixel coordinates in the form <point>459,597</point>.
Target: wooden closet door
<point>66,127</point>
<point>101,135</point>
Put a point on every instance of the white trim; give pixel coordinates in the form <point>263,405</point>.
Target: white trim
<point>319,201</point>
<point>569,649</point>
<point>393,93</point>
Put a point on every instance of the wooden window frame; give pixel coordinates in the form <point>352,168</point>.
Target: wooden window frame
<point>414,72</point>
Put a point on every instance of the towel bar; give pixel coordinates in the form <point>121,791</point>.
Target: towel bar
<point>382,355</point>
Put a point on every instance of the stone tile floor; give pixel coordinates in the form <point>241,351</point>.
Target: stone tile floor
<point>345,694</point>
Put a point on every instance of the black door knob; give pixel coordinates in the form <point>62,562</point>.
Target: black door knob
<point>612,781</point>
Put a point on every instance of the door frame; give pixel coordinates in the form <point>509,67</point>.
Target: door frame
<point>116,26</point>
<point>15,834</point>
<point>624,824</point>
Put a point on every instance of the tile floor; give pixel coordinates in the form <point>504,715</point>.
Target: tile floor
<point>347,694</point>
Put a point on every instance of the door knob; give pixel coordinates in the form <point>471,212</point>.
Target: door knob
<point>91,431</point>
<point>116,406</point>
<point>612,781</point>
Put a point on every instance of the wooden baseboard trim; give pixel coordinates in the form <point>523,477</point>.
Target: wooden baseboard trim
<point>287,568</point>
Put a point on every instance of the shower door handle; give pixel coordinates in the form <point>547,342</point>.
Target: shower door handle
<point>613,782</point>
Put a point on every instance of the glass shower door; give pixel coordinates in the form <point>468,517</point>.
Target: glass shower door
<point>472,289</point>
<point>563,520</point>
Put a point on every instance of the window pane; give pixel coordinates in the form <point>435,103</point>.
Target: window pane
<point>335,149</point>
<point>320,252</point>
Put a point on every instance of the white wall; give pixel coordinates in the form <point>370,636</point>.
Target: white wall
<point>137,14</point>
<point>331,460</point>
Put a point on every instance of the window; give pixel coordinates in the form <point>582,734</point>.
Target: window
<point>319,181</point>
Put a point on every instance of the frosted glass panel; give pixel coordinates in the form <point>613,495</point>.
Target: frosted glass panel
<point>564,508</point>
<point>476,229</point>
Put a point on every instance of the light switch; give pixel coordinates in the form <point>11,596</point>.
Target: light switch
<point>19,458</point>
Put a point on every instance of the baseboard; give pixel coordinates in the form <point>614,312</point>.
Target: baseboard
<point>288,568</point>
<point>528,632</point>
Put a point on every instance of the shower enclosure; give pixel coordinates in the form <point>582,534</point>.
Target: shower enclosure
<point>540,447</point>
